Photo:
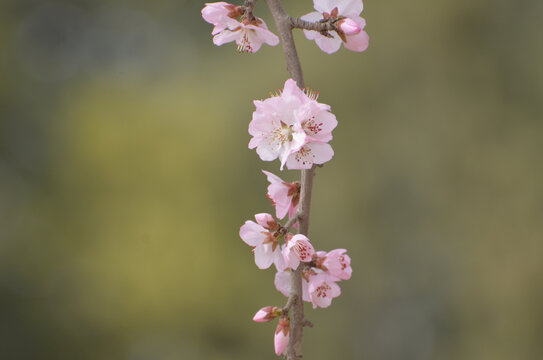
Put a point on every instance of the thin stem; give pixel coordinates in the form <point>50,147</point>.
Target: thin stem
<point>291,222</point>
<point>285,25</point>
<point>322,26</point>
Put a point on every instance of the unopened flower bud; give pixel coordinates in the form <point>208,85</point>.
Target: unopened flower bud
<point>267,221</point>
<point>349,27</point>
<point>267,313</point>
<point>282,335</point>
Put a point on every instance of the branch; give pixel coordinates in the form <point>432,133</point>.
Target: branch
<point>291,222</point>
<point>323,26</point>
<point>285,25</point>
<point>248,8</point>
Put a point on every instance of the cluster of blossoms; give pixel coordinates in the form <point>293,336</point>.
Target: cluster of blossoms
<point>237,23</point>
<point>248,32</point>
<point>295,128</point>
<point>321,270</point>
<point>346,15</point>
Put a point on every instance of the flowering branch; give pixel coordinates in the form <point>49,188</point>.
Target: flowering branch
<point>295,128</point>
<point>284,25</point>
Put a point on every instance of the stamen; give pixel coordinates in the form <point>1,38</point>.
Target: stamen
<point>245,45</point>
<point>313,95</point>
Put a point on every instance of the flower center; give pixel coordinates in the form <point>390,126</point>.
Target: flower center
<point>245,45</point>
<point>311,126</point>
<point>302,250</point>
<point>283,134</point>
<point>322,290</point>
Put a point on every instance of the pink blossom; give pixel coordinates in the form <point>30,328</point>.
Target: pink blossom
<point>267,313</point>
<point>322,289</point>
<point>276,130</point>
<point>298,249</point>
<point>221,14</point>
<point>348,22</point>
<point>266,245</point>
<point>249,36</point>
<point>282,284</point>
<point>284,196</point>
<point>282,335</point>
<point>293,127</point>
<point>309,154</point>
<point>267,221</point>
<point>338,264</point>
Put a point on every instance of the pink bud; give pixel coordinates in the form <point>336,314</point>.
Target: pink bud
<point>267,313</point>
<point>267,221</point>
<point>349,26</point>
<point>282,335</point>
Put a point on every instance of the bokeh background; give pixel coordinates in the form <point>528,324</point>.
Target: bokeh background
<point>125,175</point>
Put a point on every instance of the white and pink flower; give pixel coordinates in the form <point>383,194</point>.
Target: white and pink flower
<point>293,127</point>
<point>284,196</point>
<point>275,128</point>
<point>322,289</point>
<point>266,245</point>
<point>336,263</point>
<point>309,154</point>
<point>298,249</point>
<point>346,15</point>
<point>249,35</point>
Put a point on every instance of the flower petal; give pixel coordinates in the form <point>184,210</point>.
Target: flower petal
<point>329,45</point>
<point>252,233</point>
<point>263,256</point>
<point>349,8</point>
<point>226,36</point>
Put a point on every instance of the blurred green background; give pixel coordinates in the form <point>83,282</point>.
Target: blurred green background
<point>125,175</point>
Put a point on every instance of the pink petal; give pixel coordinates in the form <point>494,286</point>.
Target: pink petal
<point>329,45</point>
<point>349,8</point>
<point>268,37</point>
<point>226,36</point>
<point>349,26</point>
<point>321,152</point>
<point>267,151</point>
<point>279,260</point>
<point>292,261</point>
<point>279,194</point>
<point>358,42</point>
<point>263,256</point>
<point>272,178</point>
<point>323,6</point>
<point>215,12</point>
<point>252,233</point>
<point>262,315</point>
<point>280,342</point>
<point>265,220</point>
<point>282,282</point>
